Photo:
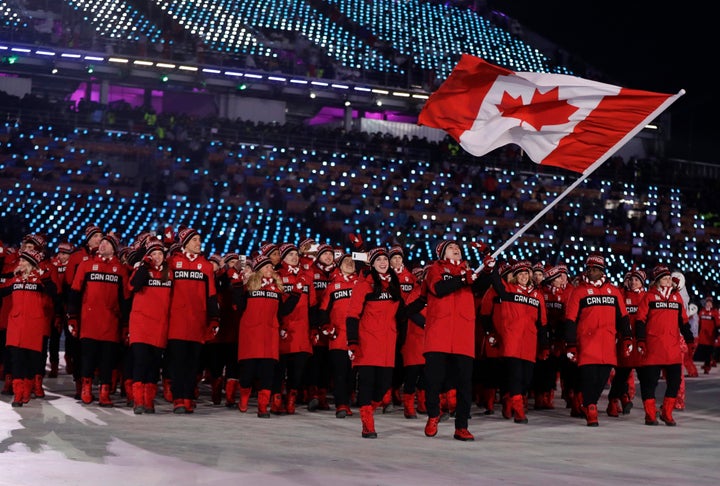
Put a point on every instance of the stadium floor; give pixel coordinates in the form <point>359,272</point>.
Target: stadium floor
<point>59,441</point>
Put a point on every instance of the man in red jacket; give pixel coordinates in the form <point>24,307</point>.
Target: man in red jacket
<point>97,310</point>
<point>194,317</point>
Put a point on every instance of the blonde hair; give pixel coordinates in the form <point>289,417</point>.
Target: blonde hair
<point>255,280</point>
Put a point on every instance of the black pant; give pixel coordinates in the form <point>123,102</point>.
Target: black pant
<point>373,382</point>
<point>146,361</point>
<point>519,374</point>
<point>100,355</point>
<point>291,367</point>
<point>438,366</point>
<point>593,378</point>
<point>619,384</point>
<point>342,376</point>
<point>260,369</point>
<point>413,378</point>
<point>650,375</point>
<point>183,358</point>
<point>26,362</point>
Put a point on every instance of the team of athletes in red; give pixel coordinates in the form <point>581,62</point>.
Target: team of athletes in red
<point>292,324</point>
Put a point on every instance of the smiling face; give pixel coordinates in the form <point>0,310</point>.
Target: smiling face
<point>396,261</point>
<point>522,277</point>
<point>292,258</point>
<point>157,257</point>
<point>347,266</point>
<point>194,246</point>
<point>381,264</point>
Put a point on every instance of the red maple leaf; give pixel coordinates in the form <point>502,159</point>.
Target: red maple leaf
<point>543,109</point>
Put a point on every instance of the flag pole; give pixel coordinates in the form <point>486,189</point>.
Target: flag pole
<point>628,136</point>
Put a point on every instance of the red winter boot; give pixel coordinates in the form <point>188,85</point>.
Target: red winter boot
<point>8,386</point>
<point>592,415</point>
<point>231,387</point>
<point>451,401</point>
<point>506,406</point>
<point>137,392</point>
<point>149,392</point>
<point>650,412</point>
<point>291,399</point>
<point>576,410</point>
<point>518,409</point>
<point>216,390</point>
<point>38,387</point>
<point>343,411</point>
<point>86,393</point>
<point>431,427</point>
<point>368,422</point>
<point>189,405</point>
<point>105,396</point>
<point>322,399</point>
<point>28,384</point>
<point>313,402</point>
<point>409,405</point>
<point>53,373</point>
<point>613,408</point>
<point>263,402</point>
<point>18,387</point>
<point>421,406</point>
<point>277,407</point>
<point>666,411</point>
<point>167,391</point>
<point>631,384</point>
<point>115,378</point>
<point>626,403</point>
<point>179,406</point>
<point>129,387</point>
<point>489,400</point>
<point>387,401</point>
<point>245,398</point>
<point>463,434</point>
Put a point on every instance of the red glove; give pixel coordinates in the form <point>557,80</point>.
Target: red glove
<point>481,247</point>
<point>329,331</point>
<point>73,326</point>
<point>627,347</point>
<point>147,260</point>
<point>314,337</point>
<point>572,354</point>
<point>354,351</point>
<point>488,263</point>
<point>355,240</point>
<point>284,334</point>
<point>641,348</point>
<point>543,354</point>
<point>168,235</point>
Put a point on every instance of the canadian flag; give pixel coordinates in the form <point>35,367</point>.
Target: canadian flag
<point>559,120</point>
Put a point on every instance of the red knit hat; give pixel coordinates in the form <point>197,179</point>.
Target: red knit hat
<point>442,246</point>
<point>65,247</point>
<point>396,250</point>
<point>521,266</point>
<point>553,272</point>
<point>153,244</point>
<point>185,235</point>
<point>375,253</point>
<point>285,249</point>
<point>36,239</point>
<point>91,230</point>
<point>113,240</point>
<point>322,248</point>
<point>595,261</point>
<point>216,259</point>
<point>32,256</point>
<point>267,248</point>
<point>640,274</point>
<point>259,262</point>
<point>230,256</point>
<point>660,271</point>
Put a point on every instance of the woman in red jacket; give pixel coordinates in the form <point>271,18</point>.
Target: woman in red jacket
<point>295,345</point>
<point>708,331</point>
<point>27,291</point>
<point>522,332</point>
<point>151,284</point>
<point>619,395</point>
<point>595,315</point>
<point>261,304</point>
<point>372,334</point>
<point>333,312</point>
<point>661,322</point>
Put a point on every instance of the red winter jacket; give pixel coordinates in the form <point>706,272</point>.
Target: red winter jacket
<point>259,329</point>
<point>28,323</point>
<point>335,304</point>
<point>374,315</point>
<point>150,313</point>
<point>661,321</point>
<point>102,286</point>
<point>594,316</point>
<point>523,320</point>
<point>297,323</point>
<point>708,324</point>
<point>632,303</point>
<point>450,321</point>
<point>193,302</point>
